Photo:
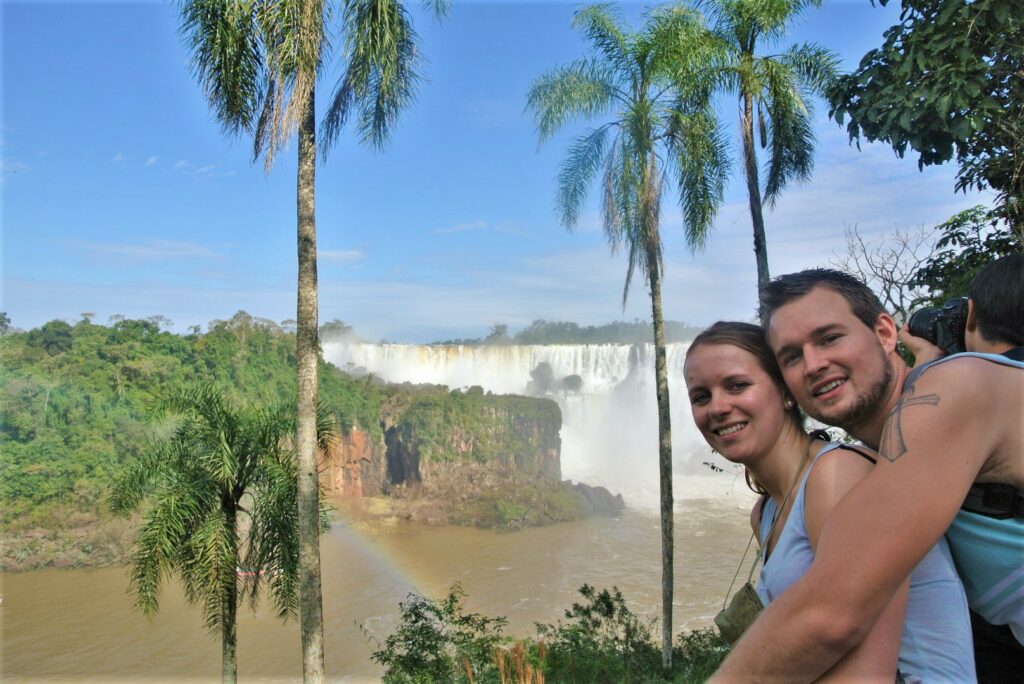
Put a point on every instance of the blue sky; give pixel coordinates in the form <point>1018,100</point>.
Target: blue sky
<point>121,194</point>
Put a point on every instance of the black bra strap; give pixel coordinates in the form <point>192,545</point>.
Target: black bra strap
<point>849,447</point>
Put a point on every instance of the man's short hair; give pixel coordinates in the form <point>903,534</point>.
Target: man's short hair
<point>786,288</point>
<point>998,295</point>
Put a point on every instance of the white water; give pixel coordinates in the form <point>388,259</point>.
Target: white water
<point>609,427</point>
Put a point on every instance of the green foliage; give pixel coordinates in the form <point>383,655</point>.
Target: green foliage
<point>196,479</point>
<point>947,80</point>
<point>70,420</point>
<point>601,641</point>
<point>436,641</point>
<point>780,86</point>
<point>220,493</point>
<point>970,241</point>
<point>456,425</point>
<point>658,123</point>
<point>53,338</point>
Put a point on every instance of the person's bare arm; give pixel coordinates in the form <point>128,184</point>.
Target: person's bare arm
<point>935,442</point>
<point>923,350</point>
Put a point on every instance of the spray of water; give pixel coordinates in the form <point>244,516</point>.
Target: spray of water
<point>607,397</point>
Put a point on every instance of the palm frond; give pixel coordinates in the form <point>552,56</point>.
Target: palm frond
<point>701,159</point>
<point>815,66</point>
<point>580,90</point>
<point>684,51</point>
<point>601,25</point>
<point>578,170</point>
<point>382,72</point>
<point>226,58</point>
<point>791,135</point>
<point>304,41</point>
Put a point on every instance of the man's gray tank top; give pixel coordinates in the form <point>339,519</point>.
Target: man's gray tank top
<point>936,644</point>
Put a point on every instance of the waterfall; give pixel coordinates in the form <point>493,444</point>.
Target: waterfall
<point>607,397</point>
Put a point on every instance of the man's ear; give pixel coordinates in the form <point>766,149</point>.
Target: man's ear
<point>886,331</point>
<point>972,316</point>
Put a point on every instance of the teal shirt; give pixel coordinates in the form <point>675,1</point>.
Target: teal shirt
<point>989,553</point>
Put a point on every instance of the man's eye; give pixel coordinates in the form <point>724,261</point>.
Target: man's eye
<point>829,339</point>
<point>790,358</point>
<point>699,399</point>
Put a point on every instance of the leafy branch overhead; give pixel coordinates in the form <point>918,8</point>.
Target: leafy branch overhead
<point>948,80</point>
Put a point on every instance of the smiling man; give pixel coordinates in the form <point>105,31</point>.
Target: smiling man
<point>951,436</point>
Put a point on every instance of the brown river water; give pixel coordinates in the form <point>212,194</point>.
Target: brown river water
<point>80,625</point>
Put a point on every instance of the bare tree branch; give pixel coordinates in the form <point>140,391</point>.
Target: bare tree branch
<point>887,263</point>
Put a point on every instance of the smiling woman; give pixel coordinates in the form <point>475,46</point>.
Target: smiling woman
<point>745,411</point>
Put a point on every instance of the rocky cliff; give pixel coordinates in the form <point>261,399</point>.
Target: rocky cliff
<point>464,457</point>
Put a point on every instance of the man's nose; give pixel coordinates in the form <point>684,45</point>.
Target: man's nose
<point>814,361</point>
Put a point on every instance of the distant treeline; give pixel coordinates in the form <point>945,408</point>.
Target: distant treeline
<point>566,332</point>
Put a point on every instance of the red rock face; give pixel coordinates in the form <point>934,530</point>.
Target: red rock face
<point>352,466</point>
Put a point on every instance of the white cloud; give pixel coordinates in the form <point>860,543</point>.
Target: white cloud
<point>153,250</point>
<point>152,161</point>
<point>183,165</point>
<point>463,227</point>
<point>119,157</point>
<point>339,256</point>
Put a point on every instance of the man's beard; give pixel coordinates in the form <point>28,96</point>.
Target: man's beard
<point>866,404</point>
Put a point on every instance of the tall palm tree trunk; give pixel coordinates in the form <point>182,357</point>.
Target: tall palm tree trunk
<point>664,458</point>
<point>228,633</point>
<point>306,352</point>
<point>754,195</point>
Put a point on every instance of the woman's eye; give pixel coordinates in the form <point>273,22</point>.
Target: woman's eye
<point>699,399</point>
<point>739,386</point>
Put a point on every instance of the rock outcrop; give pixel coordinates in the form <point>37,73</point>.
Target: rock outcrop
<point>464,458</point>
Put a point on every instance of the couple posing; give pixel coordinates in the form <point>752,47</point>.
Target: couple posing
<point>862,548</point>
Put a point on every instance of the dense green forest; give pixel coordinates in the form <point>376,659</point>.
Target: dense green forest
<point>77,401</point>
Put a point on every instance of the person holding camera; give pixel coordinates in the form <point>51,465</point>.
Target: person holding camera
<point>950,435</point>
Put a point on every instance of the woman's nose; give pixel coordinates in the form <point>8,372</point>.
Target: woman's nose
<point>719,405</point>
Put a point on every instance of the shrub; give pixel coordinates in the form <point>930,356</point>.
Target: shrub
<point>600,641</point>
<point>437,642</point>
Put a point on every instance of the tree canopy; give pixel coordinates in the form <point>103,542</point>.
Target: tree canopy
<point>948,80</point>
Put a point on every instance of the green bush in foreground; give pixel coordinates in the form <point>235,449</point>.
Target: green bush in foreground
<point>600,641</point>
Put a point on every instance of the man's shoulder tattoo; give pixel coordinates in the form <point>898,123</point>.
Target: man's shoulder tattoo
<point>893,445</point>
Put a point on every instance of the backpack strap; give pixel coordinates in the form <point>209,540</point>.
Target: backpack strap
<point>995,500</point>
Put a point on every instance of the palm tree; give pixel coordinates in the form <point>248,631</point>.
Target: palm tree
<point>658,125</point>
<point>775,92</point>
<point>223,491</point>
<point>258,62</point>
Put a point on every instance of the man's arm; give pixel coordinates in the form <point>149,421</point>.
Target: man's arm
<point>935,442</point>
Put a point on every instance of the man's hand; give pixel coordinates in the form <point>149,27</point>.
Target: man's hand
<point>923,350</point>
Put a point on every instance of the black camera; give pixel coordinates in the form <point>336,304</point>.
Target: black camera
<point>943,326</point>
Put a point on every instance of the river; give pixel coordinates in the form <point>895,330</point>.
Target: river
<point>80,625</point>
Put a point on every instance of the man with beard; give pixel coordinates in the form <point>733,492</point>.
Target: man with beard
<point>950,433</point>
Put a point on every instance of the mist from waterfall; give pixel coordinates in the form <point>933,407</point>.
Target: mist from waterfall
<point>609,409</point>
